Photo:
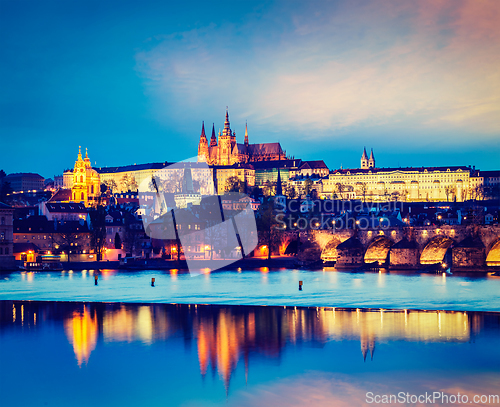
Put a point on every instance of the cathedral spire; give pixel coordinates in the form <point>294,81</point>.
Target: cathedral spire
<point>203,130</point>
<point>364,159</point>
<point>371,161</point>
<point>246,134</point>
<point>213,139</point>
<point>80,153</point>
<point>279,190</point>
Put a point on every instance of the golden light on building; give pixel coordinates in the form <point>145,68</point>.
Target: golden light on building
<point>82,331</point>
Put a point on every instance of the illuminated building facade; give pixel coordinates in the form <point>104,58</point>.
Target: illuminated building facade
<point>224,150</point>
<point>405,184</point>
<point>25,181</point>
<point>244,172</point>
<point>86,184</point>
<point>6,236</point>
<point>128,177</point>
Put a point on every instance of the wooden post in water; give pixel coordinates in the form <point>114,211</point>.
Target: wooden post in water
<point>95,279</point>
<point>300,285</point>
<point>153,282</point>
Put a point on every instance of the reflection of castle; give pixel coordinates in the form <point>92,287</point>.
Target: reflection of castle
<point>227,335</point>
<point>226,151</point>
<point>82,331</point>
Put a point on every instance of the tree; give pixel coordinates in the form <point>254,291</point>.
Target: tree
<point>5,188</point>
<point>234,184</point>
<point>128,183</point>
<point>290,192</point>
<point>256,193</point>
<point>111,185</point>
<point>307,186</point>
<point>340,188</point>
<point>133,234</point>
<point>267,225</point>
<point>66,241</point>
<point>313,194</point>
<point>98,230</point>
<point>268,189</point>
<point>478,192</point>
<point>449,190</point>
<point>118,241</point>
<point>364,189</point>
<point>133,185</point>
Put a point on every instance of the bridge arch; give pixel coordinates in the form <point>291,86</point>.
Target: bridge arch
<point>329,252</point>
<point>292,247</point>
<point>493,256</point>
<point>435,250</point>
<point>378,249</point>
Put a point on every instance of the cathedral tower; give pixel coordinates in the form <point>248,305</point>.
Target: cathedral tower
<point>371,160</point>
<point>225,141</point>
<point>86,185</point>
<point>246,134</point>
<point>203,145</point>
<point>213,139</point>
<point>364,159</point>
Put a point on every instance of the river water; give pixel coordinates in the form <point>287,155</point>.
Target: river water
<point>324,288</point>
<point>107,354</point>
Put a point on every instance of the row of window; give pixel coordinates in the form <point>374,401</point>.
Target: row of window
<point>4,251</point>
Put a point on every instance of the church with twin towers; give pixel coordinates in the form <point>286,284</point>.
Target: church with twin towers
<point>223,149</point>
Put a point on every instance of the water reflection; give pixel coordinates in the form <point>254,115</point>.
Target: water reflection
<point>226,335</point>
<point>82,331</point>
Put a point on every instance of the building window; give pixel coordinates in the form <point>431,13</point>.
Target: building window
<point>6,250</point>
<point>1,250</point>
<point>2,236</point>
<point>3,221</point>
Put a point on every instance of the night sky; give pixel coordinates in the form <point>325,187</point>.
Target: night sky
<point>132,81</point>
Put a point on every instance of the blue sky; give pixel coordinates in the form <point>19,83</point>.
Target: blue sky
<point>417,81</point>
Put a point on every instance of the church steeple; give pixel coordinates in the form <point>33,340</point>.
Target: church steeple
<point>371,160</point>
<point>203,145</point>
<point>87,159</point>
<point>203,130</point>
<point>364,159</point>
<point>279,190</point>
<point>80,153</point>
<point>227,127</point>
<point>213,139</point>
<point>246,134</point>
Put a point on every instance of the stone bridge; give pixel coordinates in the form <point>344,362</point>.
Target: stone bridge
<point>461,247</point>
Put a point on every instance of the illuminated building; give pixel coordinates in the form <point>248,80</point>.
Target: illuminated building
<point>244,172</point>
<point>25,181</point>
<point>6,236</point>
<point>86,185</point>
<point>224,150</point>
<point>404,184</point>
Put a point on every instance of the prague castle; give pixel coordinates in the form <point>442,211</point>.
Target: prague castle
<point>454,183</point>
<point>224,150</point>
